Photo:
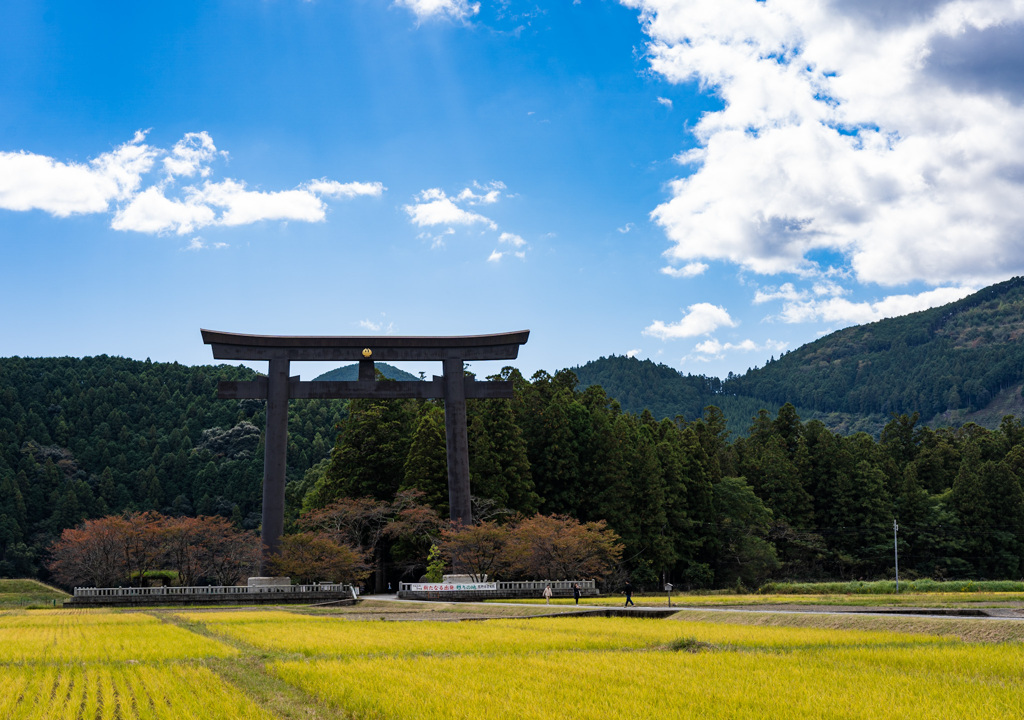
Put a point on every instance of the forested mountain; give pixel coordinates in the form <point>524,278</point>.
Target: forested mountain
<point>959,362</point>
<point>349,373</point>
<point>640,385</point>
<point>957,357</point>
<point>80,438</point>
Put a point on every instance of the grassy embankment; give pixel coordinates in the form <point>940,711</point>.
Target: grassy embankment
<point>23,593</point>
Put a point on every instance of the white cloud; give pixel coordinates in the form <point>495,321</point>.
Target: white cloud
<point>152,212</point>
<point>891,134</point>
<point>36,182</point>
<point>453,9</point>
<point>784,292</point>
<point>686,271</point>
<point>378,326</point>
<point>489,193</point>
<point>244,207</point>
<point>713,348</point>
<point>625,228</point>
<point>701,319</point>
<point>335,189</point>
<point>666,102</point>
<point>197,243</point>
<point>841,311</point>
<point>29,181</point>
<point>512,239</point>
<point>191,155</point>
<point>228,203</point>
<point>433,207</point>
<point>829,288</point>
<point>633,353</point>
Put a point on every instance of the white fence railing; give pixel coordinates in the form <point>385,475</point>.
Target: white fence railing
<point>219,590</point>
<point>526,586</point>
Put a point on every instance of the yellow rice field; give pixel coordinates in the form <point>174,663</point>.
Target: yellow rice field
<point>68,636</point>
<point>133,692</point>
<point>99,665</point>
<point>840,683</point>
<point>320,636</point>
<point>108,665</point>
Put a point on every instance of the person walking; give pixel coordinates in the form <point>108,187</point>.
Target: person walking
<point>576,592</point>
<point>547,594</point>
<point>629,594</point>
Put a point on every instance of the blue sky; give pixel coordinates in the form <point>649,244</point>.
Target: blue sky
<point>703,183</point>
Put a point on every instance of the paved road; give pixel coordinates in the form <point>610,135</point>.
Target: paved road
<point>641,610</point>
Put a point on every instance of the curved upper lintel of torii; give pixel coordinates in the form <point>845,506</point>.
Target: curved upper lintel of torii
<point>237,346</point>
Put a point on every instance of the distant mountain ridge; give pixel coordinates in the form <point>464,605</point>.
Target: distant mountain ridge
<point>959,362</point>
<point>953,358</point>
<point>349,373</point>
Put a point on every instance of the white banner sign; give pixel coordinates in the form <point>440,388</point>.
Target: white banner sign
<point>451,587</point>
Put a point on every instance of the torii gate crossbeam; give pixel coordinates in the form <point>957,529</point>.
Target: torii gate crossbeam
<point>278,388</point>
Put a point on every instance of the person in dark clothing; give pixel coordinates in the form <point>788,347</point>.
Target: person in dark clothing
<point>576,592</point>
<point>629,594</point>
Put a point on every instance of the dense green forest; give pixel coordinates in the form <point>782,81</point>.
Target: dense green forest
<point>775,493</point>
<point>81,438</point>
<point>791,499</point>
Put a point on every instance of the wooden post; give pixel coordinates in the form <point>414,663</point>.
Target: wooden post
<point>366,371</point>
<point>457,441</point>
<point>274,462</point>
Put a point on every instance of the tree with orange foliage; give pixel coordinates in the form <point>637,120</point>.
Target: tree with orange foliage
<point>477,550</point>
<point>121,549</point>
<point>208,547</point>
<point>542,547</point>
<point>141,543</point>
<point>309,558</point>
<point>91,554</point>
<point>559,547</point>
<point>400,530</point>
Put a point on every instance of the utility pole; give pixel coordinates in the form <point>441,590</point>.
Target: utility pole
<point>896,549</point>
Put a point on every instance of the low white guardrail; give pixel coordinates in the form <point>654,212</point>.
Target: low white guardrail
<point>499,587</point>
<point>214,590</point>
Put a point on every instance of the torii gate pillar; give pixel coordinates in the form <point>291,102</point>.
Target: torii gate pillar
<point>456,435</point>
<point>278,388</point>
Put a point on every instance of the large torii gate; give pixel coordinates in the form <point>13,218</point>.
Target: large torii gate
<point>278,388</point>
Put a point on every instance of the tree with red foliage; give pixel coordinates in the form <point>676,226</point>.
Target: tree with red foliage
<point>556,547</point>
<point>229,554</point>
<point>91,554</point>
<point>309,558</point>
<point>121,549</point>
<point>206,547</point>
<point>477,550</point>
<point>551,547</point>
<point>401,530</point>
